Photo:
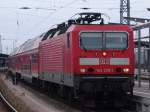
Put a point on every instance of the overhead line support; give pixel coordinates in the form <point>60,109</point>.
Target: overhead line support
<point>124,11</point>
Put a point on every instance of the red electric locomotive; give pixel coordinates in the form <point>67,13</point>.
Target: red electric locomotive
<point>78,58</point>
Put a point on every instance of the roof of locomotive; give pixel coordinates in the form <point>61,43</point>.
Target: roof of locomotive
<point>83,19</point>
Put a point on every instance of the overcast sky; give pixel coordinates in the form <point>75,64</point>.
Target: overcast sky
<point>24,24</point>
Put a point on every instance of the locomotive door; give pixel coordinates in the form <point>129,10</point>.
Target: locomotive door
<point>66,58</point>
<point>63,64</point>
<point>30,65</point>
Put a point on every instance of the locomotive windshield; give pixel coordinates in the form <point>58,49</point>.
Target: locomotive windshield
<point>91,40</point>
<point>116,40</point>
<point>103,40</point>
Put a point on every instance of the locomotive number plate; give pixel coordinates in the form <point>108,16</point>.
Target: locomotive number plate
<point>104,70</point>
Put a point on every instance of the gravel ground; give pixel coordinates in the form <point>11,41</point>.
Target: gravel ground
<point>2,107</point>
<point>36,101</point>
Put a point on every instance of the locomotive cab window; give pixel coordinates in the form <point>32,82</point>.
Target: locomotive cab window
<point>91,40</point>
<point>116,40</point>
<point>103,40</point>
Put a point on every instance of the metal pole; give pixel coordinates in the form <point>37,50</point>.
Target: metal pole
<point>128,11</point>
<point>139,58</point>
<point>13,45</point>
<point>144,63</point>
<point>149,57</point>
<point>124,11</point>
<point>121,11</point>
<point>0,44</point>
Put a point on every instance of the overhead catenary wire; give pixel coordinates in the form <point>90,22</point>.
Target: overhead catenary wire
<point>61,7</point>
<point>44,19</point>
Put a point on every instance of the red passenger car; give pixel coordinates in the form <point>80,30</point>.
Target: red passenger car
<point>79,57</point>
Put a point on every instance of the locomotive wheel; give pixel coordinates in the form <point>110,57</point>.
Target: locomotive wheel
<point>70,96</point>
<point>131,91</point>
<point>35,82</point>
<point>52,89</point>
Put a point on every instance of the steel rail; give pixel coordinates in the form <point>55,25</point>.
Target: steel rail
<point>142,103</point>
<point>140,99</point>
<point>10,107</point>
<point>125,110</point>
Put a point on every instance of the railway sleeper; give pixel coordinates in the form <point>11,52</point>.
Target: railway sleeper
<point>142,107</point>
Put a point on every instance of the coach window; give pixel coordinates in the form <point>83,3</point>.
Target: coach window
<point>116,40</point>
<point>91,40</point>
<point>2,63</point>
<point>34,58</point>
<point>68,40</point>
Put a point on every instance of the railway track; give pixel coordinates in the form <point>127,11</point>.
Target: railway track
<point>141,104</point>
<point>7,104</point>
<point>113,110</point>
<point>136,104</point>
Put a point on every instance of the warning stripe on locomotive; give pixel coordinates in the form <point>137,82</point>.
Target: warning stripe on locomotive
<point>103,61</point>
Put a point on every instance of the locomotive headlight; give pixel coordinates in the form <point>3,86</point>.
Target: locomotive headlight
<point>104,53</point>
<point>126,70</point>
<point>82,70</point>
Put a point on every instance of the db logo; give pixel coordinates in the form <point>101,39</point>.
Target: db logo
<point>103,61</point>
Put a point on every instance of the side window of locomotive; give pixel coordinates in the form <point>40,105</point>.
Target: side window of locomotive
<point>68,40</point>
<point>91,40</point>
<point>116,40</point>
<point>34,58</point>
